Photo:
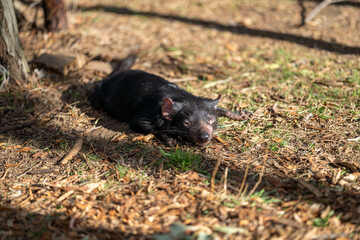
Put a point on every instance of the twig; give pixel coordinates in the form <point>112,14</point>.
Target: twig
<point>18,127</point>
<point>232,188</point>
<point>260,178</point>
<point>288,222</point>
<point>278,99</point>
<point>65,195</point>
<point>274,109</point>
<point>330,236</point>
<point>354,139</point>
<point>211,84</point>
<point>175,80</point>
<point>241,197</point>
<point>66,188</point>
<point>31,195</point>
<point>212,181</point>
<point>75,150</point>
<point>327,84</point>
<point>225,179</point>
<point>318,8</point>
<point>95,128</point>
<point>91,129</point>
<point>72,222</point>
<point>310,187</point>
<point>316,128</point>
<point>31,168</point>
<point>4,77</point>
<point>5,173</point>
<point>244,180</point>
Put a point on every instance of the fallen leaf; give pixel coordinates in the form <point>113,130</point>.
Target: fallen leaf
<point>40,154</point>
<point>244,222</point>
<point>230,230</point>
<point>231,47</point>
<point>88,188</point>
<point>278,140</point>
<point>24,149</point>
<point>143,138</point>
<point>220,140</point>
<point>273,66</point>
<point>11,165</point>
<point>112,212</point>
<point>12,147</point>
<point>237,139</point>
<point>119,138</point>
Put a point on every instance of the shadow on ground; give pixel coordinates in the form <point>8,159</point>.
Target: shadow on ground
<point>241,30</point>
<point>53,226</point>
<point>287,188</point>
<point>343,3</point>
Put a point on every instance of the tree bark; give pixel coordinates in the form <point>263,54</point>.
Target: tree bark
<point>12,56</point>
<point>55,15</point>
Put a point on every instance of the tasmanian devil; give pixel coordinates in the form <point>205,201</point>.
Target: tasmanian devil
<point>150,104</point>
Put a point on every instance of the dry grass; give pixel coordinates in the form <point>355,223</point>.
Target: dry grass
<point>291,172</point>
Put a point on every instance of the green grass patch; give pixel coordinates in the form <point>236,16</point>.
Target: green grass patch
<point>182,160</point>
<point>37,234</point>
<point>323,222</point>
<point>93,157</point>
<point>265,196</point>
<point>123,170</point>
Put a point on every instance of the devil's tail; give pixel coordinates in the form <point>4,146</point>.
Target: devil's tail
<point>125,64</point>
<point>96,96</point>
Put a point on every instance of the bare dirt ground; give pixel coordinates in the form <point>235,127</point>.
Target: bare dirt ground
<point>291,172</point>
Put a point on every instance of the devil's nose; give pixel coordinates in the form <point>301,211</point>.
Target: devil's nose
<point>204,137</point>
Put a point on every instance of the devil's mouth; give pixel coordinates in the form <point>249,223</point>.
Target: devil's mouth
<point>200,143</point>
<point>195,141</point>
<point>203,144</point>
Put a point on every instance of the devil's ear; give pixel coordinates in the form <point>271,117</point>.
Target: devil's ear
<point>215,102</point>
<point>167,108</point>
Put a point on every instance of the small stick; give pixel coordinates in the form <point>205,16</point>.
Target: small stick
<point>4,77</point>
<point>5,173</point>
<point>241,197</point>
<point>244,179</point>
<point>225,179</point>
<point>260,178</point>
<point>72,222</point>
<point>75,150</point>
<point>94,128</point>
<point>320,7</point>
<point>354,139</point>
<point>18,127</point>
<point>310,187</point>
<point>65,195</point>
<point>175,80</point>
<point>211,84</point>
<point>212,181</point>
<point>91,129</point>
<point>31,168</point>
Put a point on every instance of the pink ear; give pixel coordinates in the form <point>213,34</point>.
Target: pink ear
<point>167,108</point>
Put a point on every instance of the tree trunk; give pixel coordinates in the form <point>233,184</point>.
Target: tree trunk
<point>12,57</point>
<point>55,15</point>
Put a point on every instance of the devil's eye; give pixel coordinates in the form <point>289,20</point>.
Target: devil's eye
<point>186,123</point>
<point>211,119</point>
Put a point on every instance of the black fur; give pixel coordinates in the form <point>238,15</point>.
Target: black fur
<point>150,104</point>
